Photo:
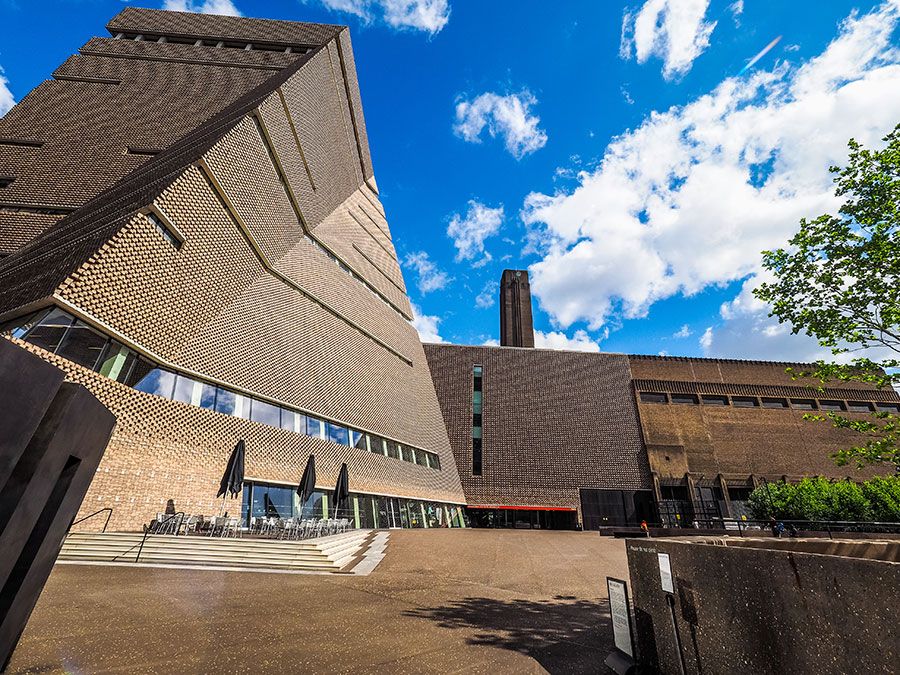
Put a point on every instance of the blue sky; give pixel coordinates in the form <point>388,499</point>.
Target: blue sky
<point>616,150</point>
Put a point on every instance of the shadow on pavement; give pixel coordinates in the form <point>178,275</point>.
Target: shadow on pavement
<point>564,635</point>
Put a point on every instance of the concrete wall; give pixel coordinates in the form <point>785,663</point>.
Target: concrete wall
<point>743,607</point>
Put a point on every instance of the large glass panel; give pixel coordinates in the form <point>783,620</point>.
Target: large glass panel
<point>272,501</point>
<point>138,372</point>
<point>184,389</point>
<point>376,445</point>
<point>433,460</point>
<point>242,406</point>
<point>313,506</point>
<point>366,511</point>
<point>82,345</point>
<point>287,419</point>
<point>476,402</point>
<point>337,434</point>
<point>420,457</point>
<point>207,396</point>
<point>49,332</point>
<point>158,382</point>
<point>314,427</point>
<point>116,361</point>
<point>265,413</point>
<point>225,401</point>
<point>358,440</point>
<point>393,449</point>
<point>19,328</point>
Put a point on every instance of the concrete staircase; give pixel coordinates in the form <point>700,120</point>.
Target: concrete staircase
<point>325,554</point>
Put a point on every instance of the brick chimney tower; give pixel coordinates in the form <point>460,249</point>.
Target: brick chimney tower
<point>516,325</point>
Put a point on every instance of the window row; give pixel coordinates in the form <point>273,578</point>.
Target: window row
<point>477,404</point>
<point>221,44</point>
<point>771,402</point>
<point>64,335</point>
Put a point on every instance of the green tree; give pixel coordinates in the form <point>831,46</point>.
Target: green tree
<point>823,499</point>
<point>839,282</point>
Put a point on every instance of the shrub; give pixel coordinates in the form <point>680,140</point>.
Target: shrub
<point>822,499</point>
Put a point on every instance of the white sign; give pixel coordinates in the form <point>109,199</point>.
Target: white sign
<point>665,572</point>
<point>621,617</point>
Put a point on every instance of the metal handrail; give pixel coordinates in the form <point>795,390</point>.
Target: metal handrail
<point>148,532</point>
<point>81,520</point>
<point>829,526</point>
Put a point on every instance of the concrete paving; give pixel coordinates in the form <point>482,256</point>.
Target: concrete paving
<point>448,601</point>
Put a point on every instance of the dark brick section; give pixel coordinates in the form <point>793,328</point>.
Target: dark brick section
<point>516,325</point>
<point>554,422</point>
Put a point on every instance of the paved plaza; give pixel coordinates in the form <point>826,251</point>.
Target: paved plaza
<point>460,601</point>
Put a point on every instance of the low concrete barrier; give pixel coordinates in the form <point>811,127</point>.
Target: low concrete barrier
<point>743,605</point>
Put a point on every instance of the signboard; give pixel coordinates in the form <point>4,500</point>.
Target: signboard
<point>665,572</point>
<point>621,615</point>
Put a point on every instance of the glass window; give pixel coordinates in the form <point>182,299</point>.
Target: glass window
<point>476,432</point>
<point>745,401</point>
<point>860,406</point>
<point>207,396</point>
<point>158,382</point>
<point>82,345</point>
<point>242,406</point>
<point>803,404</point>
<point>376,445</point>
<point>337,434</point>
<point>709,399</point>
<point>49,332</point>
<point>420,457</point>
<point>272,501</point>
<point>265,413</point>
<point>184,389</point>
<point>434,461</point>
<point>138,372</point>
<point>653,397</point>
<point>832,405</point>
<point>774,403</point>
<point>358,440</point>
<point>314,427</point>
<point>476,402</point>
<point>287,419</point>
<point>393,449</point>
<point>685,399</point>
<point>116,361</point>
<point>476,456</point>
<point>19,328</point>
<point>225,401</point>
<point>888,407</point>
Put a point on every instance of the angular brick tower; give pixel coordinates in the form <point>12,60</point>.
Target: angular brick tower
<point>192,229</point>
<point>516,325</point>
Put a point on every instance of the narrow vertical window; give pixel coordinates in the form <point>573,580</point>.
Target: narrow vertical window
<point>477,405</point>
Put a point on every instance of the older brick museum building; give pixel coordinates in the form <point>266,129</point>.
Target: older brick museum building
<point>191,228</point>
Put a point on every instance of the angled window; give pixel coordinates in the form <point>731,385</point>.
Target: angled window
<point>832,406</point>
<point>888,407</point>
<point>82,345</point>
<point>653,397</point>
<point>745,401</point>
<point>265,413</point>
<point>337,434</point>
<point>207,396</point>
<point>184,389</point>
<point>315,427</point>
<point>685,399</point>
<point>167,233</point>
<point>225,401</point>
<point>393,449</point>
<point>711,399</point>
<point>860,406</point>
<point>51,329</point>
<point>158,382</point>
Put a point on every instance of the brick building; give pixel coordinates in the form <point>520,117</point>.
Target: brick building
<point>190,227</point>
<point>193,231</point>
<point>556,438</point>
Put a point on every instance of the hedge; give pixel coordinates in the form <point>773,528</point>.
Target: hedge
<point>877,499</point>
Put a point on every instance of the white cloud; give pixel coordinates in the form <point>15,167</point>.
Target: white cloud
<point>7,100</point>
<point>579,342</point>
<point>426,325</point>
<point>203,6</point>
<point>675,31</point>
<point>488,295</point>
<point>690,198</point>
<point>429,16</point>
<point>491,342</point>
<point>431,278</point>
<point>468,234</point>
<point>706,339</point>
<point>683,332</point>
<point>507,116</point>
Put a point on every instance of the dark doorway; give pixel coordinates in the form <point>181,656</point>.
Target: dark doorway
<point>523,519</point>
<point>616,508</point>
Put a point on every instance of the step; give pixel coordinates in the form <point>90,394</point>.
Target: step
<point>324,554</point>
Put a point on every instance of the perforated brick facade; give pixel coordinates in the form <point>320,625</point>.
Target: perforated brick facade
<point>285,286</point>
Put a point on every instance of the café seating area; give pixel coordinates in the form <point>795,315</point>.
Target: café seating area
<point>293,529</point>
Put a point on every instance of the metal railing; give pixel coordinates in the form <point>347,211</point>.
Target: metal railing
<point>108,511</point>
<point>151,530</point>
<point>829,526</point>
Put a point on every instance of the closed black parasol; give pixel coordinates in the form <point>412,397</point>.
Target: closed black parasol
<point>341,494</point>
<point>233,479</point>
<point>308,481</point>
